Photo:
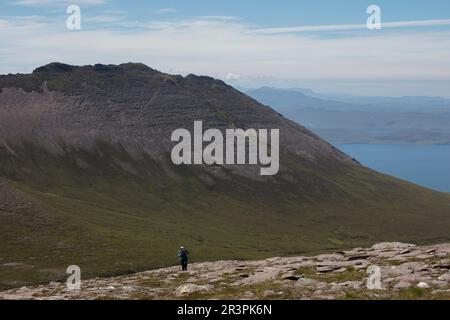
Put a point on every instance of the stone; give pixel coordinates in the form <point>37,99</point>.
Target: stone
<point>305,282</point>
<point>424,256</point>
<point>439,283</point>
<point>306,264</point>
<point>403,285</point>
<point>388,280</point>
<point>249,294</point>
<point>387,255</point>
<point>325,269</point>
<point>391,246</point>
<point>318,292</point>
<point>445,277</point>
<point>445,248</point>
<point>352,284</point>
<point>268,273</point>
<point>335,288</point>
<point>290,276</point>
<point>423,285</point>
<point>330,257</point>
<point>321,285</point>
<point>358,257</point>
<point>361,264</point>
<point>441,291</point>
<point>443,264</point>
<point>268,293</point>
<point>412,267</point>
<point>214,280</point>
<point>189,288</point>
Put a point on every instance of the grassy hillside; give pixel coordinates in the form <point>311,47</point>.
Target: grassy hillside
<point>111,213</point>
<point>87,180</point>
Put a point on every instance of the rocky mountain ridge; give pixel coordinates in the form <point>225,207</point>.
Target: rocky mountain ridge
<point>134,106</point>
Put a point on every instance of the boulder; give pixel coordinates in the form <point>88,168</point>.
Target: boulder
<point>423,285</point>
<point>268,293</point>
<point>306,282</point>
<point>361,256</point>
<point>405,251</point>
<point>441,291</point>
<point>439,283</point>
<point>189,288</point>
<point>268,273</point>
<point>290,276</point>
<point>384,246</point>
<point>360,264</point>
<point>445,277</point>
<point>330,257</point>
<point>412,267</point>
<point>443,264</point>
<point>325,269</point>
<point>249,295</point>
<point>403,285</point>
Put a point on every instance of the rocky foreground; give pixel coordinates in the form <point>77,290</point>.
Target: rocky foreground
<point>407,272</point>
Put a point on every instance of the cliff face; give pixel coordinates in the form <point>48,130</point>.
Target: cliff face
<point>89,147</point>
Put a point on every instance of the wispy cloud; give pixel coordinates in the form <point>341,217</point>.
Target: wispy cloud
<point>166,10</point>
<point>219,18</point>
<point>58,2</point>
<point>232,76</point>
<point>344,27</point>
<point>102,19</point>
<point>197,45</point>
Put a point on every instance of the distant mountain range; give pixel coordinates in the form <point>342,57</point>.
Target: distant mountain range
<point>86,178</point>
<point>388,104</point>
<point>358,119</point>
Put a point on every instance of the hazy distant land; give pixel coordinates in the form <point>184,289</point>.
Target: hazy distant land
<point>346,119</point>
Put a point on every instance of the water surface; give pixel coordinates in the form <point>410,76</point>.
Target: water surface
<point>426,165</point>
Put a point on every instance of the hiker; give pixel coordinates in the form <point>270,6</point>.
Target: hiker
<point>183,255</point>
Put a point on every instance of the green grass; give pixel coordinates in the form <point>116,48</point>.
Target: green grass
<point>110,221</point>
<point>411,293</point>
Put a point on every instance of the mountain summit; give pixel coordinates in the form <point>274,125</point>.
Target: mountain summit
<point>138,105</point>
<point>88,180</point>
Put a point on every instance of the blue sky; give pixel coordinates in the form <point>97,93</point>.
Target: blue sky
<point>248,43</point>
<point>269,13</point>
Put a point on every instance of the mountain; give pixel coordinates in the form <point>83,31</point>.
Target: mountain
<point>87,180</point>
<point>379,103</point>
<point>287,99</point>
<point>353,119</point>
